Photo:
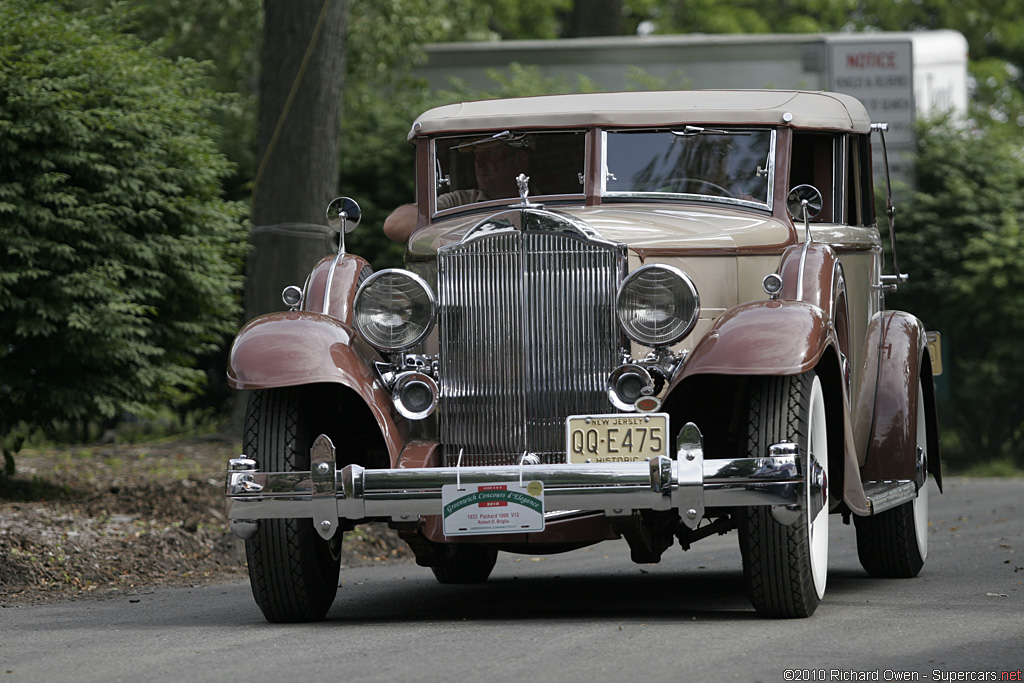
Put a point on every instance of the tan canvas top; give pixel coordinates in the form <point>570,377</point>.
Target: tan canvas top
<point>817,110</point>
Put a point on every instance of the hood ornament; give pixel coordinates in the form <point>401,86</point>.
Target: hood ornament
<point>523,181</point>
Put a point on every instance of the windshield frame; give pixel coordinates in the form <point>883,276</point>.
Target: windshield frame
<point>629,195</point>
<point>440,183</point>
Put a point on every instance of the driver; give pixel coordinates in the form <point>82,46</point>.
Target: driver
<point>496,166</point>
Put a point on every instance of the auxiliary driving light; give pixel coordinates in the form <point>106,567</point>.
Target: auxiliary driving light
<point>414,395</point>
<point>628,384</point>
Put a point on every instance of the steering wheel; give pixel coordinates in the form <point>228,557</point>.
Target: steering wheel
<point>680,185</point>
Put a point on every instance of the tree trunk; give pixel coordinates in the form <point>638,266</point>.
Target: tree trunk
<point>300,95</point>
<point>298,138</point>
<point>594,18</point>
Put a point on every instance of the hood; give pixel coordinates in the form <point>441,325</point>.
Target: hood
<point>643,228</point>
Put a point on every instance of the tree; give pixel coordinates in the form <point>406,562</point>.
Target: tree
<point>300,97</point>
<point>120,261</point>
<point>225,36</point>
<point>599,18</point>
<point>960,238</point>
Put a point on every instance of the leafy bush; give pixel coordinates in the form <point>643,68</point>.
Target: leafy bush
<point>120,262</point>
<point>960,239</point>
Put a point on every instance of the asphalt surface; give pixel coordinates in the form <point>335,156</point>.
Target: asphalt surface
<point>587,616</point>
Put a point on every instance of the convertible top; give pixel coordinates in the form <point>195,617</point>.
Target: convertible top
<point>801,109</point>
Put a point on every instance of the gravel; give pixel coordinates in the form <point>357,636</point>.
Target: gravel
<point>114,520</point>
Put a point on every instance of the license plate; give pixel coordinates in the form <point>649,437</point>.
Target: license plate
<point>498,508</point>
<point>616,438</point>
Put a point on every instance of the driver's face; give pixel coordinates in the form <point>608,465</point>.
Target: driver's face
<point>496,169</point>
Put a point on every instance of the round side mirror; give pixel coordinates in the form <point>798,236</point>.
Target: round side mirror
<point>343,211</point>
<point>796,198</point>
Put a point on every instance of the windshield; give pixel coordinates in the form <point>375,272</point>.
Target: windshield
<point>731,165</point>
<point>480,168</point>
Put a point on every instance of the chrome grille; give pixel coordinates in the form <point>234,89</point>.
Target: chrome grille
<point>527,336</point>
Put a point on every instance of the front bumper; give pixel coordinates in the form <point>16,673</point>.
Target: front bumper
<point>688,484</point>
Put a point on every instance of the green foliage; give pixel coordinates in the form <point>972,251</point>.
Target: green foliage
<point>120,261</point>
<point>225,37</point>
<point>961,240</point>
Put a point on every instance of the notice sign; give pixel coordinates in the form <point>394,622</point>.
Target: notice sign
<point>500,508</point>
<point>881,75</point>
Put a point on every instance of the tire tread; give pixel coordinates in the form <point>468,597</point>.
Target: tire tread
<point>293,577</point>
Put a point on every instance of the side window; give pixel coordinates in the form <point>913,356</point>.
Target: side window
<point>859,189</point>
<point>815,162</point>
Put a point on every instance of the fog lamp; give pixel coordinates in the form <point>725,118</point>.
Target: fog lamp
<point>627,384</point>
<point>414,395</point>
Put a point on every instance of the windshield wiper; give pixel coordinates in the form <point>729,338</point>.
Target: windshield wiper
<point>504,136</point>
<point>697,130</point>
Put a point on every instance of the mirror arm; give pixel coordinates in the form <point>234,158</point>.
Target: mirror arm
<point>803,251</point>
<point>339,212</point>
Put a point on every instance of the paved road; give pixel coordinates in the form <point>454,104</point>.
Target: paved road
<point>589,616</point>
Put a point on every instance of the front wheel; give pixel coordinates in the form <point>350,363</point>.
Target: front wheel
<point>785,565</point>
<point>292,570</point>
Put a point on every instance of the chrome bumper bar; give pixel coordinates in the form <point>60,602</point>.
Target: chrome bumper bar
<point>688,484</point>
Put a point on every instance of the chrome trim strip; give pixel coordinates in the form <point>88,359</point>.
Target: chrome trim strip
<point>326,309</point>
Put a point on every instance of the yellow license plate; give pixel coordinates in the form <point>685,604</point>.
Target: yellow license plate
<point>616,438</point>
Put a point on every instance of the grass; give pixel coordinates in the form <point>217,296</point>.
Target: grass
<point>990,468</point>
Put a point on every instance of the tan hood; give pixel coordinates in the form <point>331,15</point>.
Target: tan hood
<point>645,228</point>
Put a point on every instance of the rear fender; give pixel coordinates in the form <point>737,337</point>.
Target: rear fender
<point>300,347</point>
<point>904,361</point>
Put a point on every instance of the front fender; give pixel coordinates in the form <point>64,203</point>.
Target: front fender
<point>772,338</point>
<point>349,272</point>
<point>762,338</point>
<point>301,347</point>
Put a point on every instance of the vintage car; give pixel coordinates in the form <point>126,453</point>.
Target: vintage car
<point>649,317</point>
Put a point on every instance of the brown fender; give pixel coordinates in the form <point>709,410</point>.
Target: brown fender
<point>892,449</point>
<point>348,274</point>
<point>824,286</point>
<point>300,347</point>
<point>762,338</point>
<point>780,338</point>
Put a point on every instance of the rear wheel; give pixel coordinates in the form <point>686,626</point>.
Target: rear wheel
<point>292,570</point>
<point>785,566</point>
<point>894,544</point>
<point>465,563</point>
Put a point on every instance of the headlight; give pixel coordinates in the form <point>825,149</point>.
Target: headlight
<point>657,305</point>
<point>394,309</point>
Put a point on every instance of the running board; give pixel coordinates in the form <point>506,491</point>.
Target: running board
<point>886,495</point>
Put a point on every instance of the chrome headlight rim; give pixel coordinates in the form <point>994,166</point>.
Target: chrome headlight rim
<point>373,335</point>
<point>637,333</point>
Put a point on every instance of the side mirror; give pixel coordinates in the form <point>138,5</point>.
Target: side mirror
<point>343,214</point>
<point>804,202</point>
